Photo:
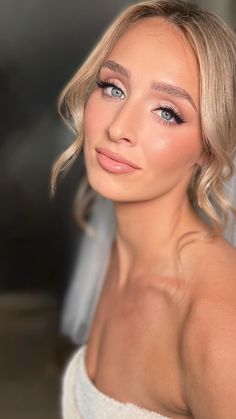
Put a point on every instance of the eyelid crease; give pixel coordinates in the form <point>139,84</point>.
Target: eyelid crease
<point>176,114</point>
<point>168,88</point>
<point>172,108</point>
<point>108,82</point>
<point>103,84</point>
<point>163,106</point>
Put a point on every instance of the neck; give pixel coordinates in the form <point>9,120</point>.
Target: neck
<point>147,234</point>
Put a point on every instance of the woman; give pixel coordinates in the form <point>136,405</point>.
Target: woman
<point>154,109</point>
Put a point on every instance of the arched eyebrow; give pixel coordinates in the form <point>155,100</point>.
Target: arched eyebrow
<point>118,68</point>
<point>168,88</point>
<point>175,91</point>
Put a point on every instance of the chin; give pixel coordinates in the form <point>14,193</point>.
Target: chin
<point>108,191</point>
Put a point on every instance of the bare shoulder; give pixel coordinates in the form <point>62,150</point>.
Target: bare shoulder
<point>216,257</point>
<point>208,349</point>
<point>223,254</point>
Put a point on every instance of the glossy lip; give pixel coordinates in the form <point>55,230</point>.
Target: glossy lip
<point>116,157</point>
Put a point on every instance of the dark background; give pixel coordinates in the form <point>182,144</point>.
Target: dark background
<point>42,42</point>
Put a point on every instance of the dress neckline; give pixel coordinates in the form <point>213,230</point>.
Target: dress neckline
<point>98,394</point>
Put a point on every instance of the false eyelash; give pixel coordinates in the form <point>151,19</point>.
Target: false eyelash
<point>178,117</point>
<point>102,84</point>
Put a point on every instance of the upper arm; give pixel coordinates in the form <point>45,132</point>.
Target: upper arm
<point>209,364</point>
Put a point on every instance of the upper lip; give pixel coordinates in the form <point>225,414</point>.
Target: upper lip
<point>116,157</point>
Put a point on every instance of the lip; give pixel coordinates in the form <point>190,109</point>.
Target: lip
<point>116,157</point>
<point>114,163</point>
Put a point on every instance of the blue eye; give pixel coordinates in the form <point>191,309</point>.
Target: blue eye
<point>166,115</point>
<point>169,115</point>
<point>115,91</point>
<point>111,89</point>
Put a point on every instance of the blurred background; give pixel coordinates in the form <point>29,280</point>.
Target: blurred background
<point>42,42</point>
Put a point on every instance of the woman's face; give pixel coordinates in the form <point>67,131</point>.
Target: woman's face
<point>142,126</point>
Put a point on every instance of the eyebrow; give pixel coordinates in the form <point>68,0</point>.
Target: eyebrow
<point>114,66</point>
<point>175,91</point>
<point>170,89</point>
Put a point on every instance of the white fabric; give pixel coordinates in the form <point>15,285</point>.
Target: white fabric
<point>90,269</point>
<point>82,400</point>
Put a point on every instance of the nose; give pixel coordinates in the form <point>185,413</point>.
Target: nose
<point>123,128</point>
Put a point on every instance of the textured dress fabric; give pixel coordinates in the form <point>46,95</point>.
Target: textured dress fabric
<point>82,400</point>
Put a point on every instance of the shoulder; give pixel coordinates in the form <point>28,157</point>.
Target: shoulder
<point>222,255</point>
<point>210,258</point>
<point>208,353</point>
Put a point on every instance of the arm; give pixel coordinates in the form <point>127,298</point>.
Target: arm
<point>209,363</point>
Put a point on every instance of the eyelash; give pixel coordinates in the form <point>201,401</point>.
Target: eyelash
<point>173,111</point>
<point>103,84</point>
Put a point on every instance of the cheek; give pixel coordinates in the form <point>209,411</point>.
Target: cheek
<point>175,151</point>
<point>93,118</point>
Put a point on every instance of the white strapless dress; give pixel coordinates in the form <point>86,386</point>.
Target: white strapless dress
<point>82,400</point>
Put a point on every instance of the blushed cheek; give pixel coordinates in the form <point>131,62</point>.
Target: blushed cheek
<point>92,119</point>
<point>174,153</point>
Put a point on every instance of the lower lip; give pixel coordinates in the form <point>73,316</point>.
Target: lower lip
<point>113,166</point>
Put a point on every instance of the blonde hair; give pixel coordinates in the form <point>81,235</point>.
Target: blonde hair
<point>214,45</point>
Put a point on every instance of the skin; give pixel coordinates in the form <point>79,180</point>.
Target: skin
<point>157,346</point>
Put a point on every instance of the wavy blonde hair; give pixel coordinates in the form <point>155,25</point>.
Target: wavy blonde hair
<point>214,45</point>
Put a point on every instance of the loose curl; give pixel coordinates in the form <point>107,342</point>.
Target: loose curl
<point>214,45</point>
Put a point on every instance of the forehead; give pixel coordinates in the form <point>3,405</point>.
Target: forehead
<point>153,48</point>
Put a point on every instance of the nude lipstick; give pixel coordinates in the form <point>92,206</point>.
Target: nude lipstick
<point>114,163</point>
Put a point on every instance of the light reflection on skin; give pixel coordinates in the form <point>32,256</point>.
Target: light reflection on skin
<point>132,126</point>
<point>160,86</point>
<point>152,213</point>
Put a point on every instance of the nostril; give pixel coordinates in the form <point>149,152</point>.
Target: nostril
<point>124,140</point>
<point>118,135</point>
